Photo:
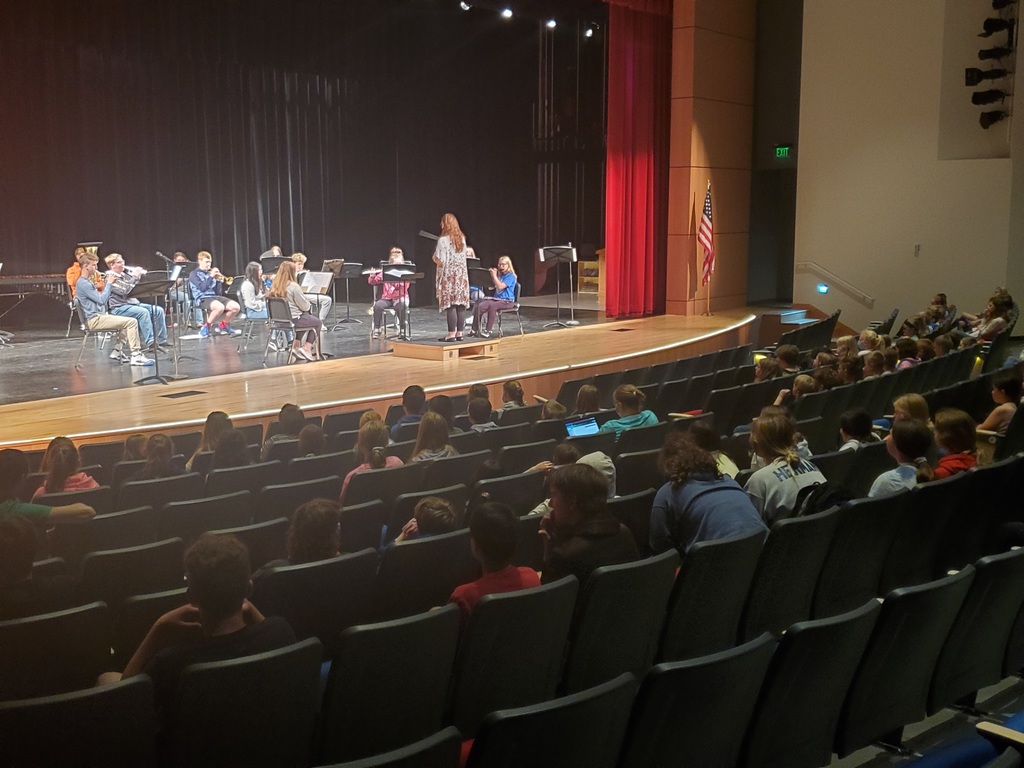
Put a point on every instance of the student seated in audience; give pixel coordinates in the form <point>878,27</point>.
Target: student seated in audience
<point>874,365</point>
<point>21,593</point>
<point>477,390</point>
<point>314,534</point>
<point>553,409</point>
<point>219,622</point>
<point>927,321</point>
<point>442,405</point>
<point>868,341</point>
<point>892,358</point>
<point>802,385</point>
<point>231,451</point>
<point>63,467</point>
<point>512,395</point>
<point>955,436</point>
<point>134,448</point>
<point>159,455</point>
<point>943,345</point>
<point>925,350</point>
<point>290,421</point>
<point>579,533</point>
<point>850,370</point>
<point>767,368</point>
<point>431,517</point>
<point>480,413</point>
<point>698,503</point>
<point>789,358</point>
<point>492,540</point>
<point>372,449</point>
<point>567,453</point>
<point>368,416</point>
<point>629,405</point>
<point>908,443</point>
<point>704,436</point>
<point>312,440</point>
<point>414,403</point>
<point>846,346</point>
<point>908,406</point>
<point>906,349</point>
<point>991,321</point>
<point>855,430</point>
<point>217,423</point>
<point>13,470</point>
<point>432,439</point>
<point>774,487</point>
<point>587,400</point>
<point>1006,394</point>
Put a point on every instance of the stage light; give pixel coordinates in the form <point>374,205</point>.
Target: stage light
<point>551,24</point>
<point>823,288</point>
<point>465,6</point>
<point>988,119</point>
<point>974,76</point>
<point>988,97</point>
<point>998,52</point>
<point>588,32</point>
<point>506,13</point>
<point>994,24</point>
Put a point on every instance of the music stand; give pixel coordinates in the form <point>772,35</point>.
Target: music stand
<point>150,289</point>
<point>334,266</point>
<point>559,254</point>
<point>349,270</point>
<point>271,263</point>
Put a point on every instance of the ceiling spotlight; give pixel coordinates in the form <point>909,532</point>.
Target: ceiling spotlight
<point>988,119</point>
<point>588,32</point>
<point>506,13</point>
<point>465,6</point>
<point>998,52</point>
<point>988,97</point>
<point>551,24</point>
<point>973,76</point>
<point>995,24</point>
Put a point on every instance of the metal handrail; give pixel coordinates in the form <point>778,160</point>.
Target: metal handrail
<point>834,279</point>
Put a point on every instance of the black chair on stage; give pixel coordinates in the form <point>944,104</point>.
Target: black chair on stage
<point>281,320</point>
<point>114,574</point>
<point>365,676</point>
<point>584,730</point>
<point>112,725</point>
<point>320,599</point>
<point>419,574</point>
<point>254,711</point>
<point>527,630</point>
<point>709,701</point>
<point>188,519</point>
<point>265,541</point>
<point>626,602</point>
<point>513,310</point>
<point>54,652</point>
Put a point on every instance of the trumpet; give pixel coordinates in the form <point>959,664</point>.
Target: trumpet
<point>220,278</point>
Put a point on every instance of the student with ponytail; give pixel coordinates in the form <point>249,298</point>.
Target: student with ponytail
<point>372,447</point>
<point>908,443</point>
<point>775,487</point>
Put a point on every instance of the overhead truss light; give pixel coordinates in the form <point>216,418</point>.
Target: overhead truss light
<point>551,24</point>
<point>506,13</point>
<point>464,5</point>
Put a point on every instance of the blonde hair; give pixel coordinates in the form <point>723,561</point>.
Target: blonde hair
<point>204,255</point>
<point>110,258</point>
<point>915,406</point>
<point>511,267</point>
<point>846,345</point>
<point>396,251</point>
<point>299,258</point>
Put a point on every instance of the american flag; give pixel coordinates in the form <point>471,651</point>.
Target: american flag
<point>705,236</point>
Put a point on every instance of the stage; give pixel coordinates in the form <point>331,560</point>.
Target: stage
<point>97,402</point>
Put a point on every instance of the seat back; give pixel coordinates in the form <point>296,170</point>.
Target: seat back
<point>112,725</point>
<point>835,466</point>
<point>872,460</point>
<point>156,493</point>
<point>890,689</point>
<point>282,500</point>
<point>320,599</point>
<point>634,511</point>
<point>188,519</point>
<point>254,710</point>
<point>584,730</point>
<point>642,438</point>
<point>384,484</point>
<point>342,422</point>
<point>601,441</point>
<point>101,499</point>
<point>706,604</point>
<point>515,459</point>
<point>114,574</point>
<point>794,722</point>
<point>626,602</point>
<point>365,676</point>
<point>405,505</point>
<point>127,528</point>
<point>53,652</point>
<point>708,701</point>
<point>416,575</point>
<point>496,439</point>
<point>324,465</point>
<point>362,525</point>
<point>453,470</point>
<point>134,619</point>
<point>527,414</point>
<point>250,478</point>
<point>787,573</point>
<point>521,492</point>
<point>265,541</point>
<point>527,630</point>
<point>635,472</point>
<point>442,750</point>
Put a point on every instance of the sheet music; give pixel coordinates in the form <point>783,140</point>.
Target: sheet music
<point>316,282</point>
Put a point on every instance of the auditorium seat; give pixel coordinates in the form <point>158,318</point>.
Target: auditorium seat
<point>250,477</point>
<point>636,472</point>
<point>342,422</point>
<point>453,470</point>
<point>583,730</point>
<point>442,750</point>
<point>265,541</point>
<point>114,574</point>
<point>634,511</point>
<point>526,414</point>
<point>619,615</point>
<point>642,438</point>
<point>496,439</point>
<point>362,525</point>
<point>694,712</point>
<point>134,619</point>
<point>421,573</point>
<point>188,519</point>
<point>384,484</point>
<point>101,499</point>
<point>388,685</point>
<point>253,711</point>
<point>405,505</point>
<point>521,492</point>
<point>282,500</point>
<point>527,630</point>
<point>529,545</point>
<point>116,530</point>
<point>156,493</point>
<point>708,596</point>
<point>315,467</point>
<point>518,458</point>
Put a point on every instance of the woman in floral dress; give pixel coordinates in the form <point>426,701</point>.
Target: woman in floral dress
<point>452,277</point>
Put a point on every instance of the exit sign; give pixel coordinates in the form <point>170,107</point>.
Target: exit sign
<point>784,151</point>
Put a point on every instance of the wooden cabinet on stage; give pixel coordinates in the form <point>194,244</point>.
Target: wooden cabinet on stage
<point>591,276</point>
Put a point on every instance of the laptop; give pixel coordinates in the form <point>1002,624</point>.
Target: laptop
<point>587,426</point>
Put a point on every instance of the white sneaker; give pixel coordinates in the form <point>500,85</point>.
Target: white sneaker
<point>140,359</point>
<point>117,353</point>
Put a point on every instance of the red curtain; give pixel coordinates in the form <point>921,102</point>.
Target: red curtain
<point>659,7</point>
<point>639,70</point>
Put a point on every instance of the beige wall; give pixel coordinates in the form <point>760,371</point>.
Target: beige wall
<point>712,118</point>
<point>870,185</point>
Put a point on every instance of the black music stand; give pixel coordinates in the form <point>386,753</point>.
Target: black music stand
<point>348,271</point>
<point>335,266</point>
<point>150,289</point>
<point>402,273</point>
<point>559,254</point>
<point>271,263</point>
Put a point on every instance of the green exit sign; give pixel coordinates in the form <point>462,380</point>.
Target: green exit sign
<point>783,151</point>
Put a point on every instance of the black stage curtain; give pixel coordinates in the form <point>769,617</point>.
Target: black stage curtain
<point>334,128</point>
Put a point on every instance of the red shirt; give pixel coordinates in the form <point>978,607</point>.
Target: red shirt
<point>508,579</point>
<point>954,463</point>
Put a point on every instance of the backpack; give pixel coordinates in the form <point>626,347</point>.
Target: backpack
<point>819,498</point>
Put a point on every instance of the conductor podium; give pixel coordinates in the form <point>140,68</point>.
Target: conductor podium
<point>446,351</point>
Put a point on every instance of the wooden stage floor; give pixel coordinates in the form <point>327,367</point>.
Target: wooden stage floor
<point>541,361</point>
